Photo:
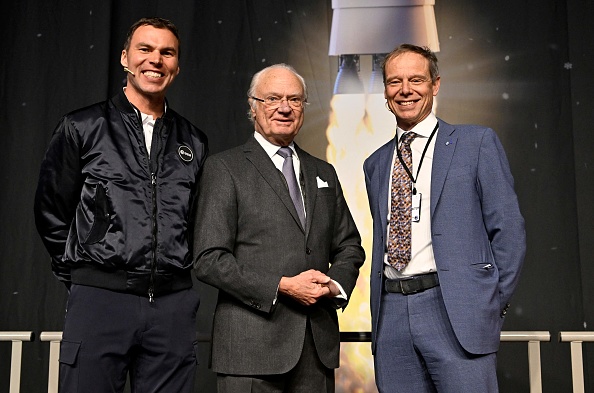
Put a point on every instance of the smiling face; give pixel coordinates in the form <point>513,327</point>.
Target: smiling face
<point>153,58</point>
<point>278,125</point>
<point>409,90</point>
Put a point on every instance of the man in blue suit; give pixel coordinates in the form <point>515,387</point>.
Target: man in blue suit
<point>448,241</point>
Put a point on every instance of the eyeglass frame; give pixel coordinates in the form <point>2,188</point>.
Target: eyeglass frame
<point>302,105</point>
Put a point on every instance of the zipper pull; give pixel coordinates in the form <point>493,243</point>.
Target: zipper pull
<point>153,179</point>
<point>151,297</point>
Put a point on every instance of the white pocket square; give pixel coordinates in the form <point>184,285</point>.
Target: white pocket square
<point>321,183</point>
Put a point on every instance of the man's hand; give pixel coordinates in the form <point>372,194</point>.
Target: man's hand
<point>308,287</point>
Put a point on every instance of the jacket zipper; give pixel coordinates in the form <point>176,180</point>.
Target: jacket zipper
<point>151,290</point>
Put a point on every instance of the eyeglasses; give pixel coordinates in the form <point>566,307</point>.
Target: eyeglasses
<point>273,102</point>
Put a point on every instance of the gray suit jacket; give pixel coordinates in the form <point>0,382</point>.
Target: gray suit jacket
<point>477,230</point>
<point>248,235</point>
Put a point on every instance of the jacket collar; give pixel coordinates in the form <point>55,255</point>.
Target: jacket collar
<point>123,105</point>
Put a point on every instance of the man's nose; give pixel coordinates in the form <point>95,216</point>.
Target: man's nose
<point>155,57</point>
<point>284,106</point>
<point>405,89</point>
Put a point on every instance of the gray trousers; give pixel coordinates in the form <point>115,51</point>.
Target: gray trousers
<point>308,376</point>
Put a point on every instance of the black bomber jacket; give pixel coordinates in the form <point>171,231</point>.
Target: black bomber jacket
<point>110,216</point>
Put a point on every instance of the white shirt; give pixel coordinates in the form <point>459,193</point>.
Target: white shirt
<point>271,150</point>
<point>278,160</point>
<point>422,258</point>
<point>148,125</point>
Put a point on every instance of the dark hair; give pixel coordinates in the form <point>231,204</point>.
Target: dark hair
<point>421,50</point>
<point>156,22</point>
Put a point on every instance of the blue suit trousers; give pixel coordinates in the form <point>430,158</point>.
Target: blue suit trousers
<point>418,352</point>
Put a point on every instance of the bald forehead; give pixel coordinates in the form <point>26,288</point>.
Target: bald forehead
<point>279,81</point>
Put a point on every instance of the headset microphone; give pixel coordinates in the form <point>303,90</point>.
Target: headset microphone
<point>128,70</point>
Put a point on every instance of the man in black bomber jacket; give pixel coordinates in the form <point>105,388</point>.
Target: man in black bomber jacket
<point>113,207</point>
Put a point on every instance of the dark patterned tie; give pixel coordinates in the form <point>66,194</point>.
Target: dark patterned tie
<point>399,242</point>
<point>289,172</point>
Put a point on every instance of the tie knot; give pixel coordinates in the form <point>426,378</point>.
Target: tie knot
<point>407,138</point>
<point>285,152</point>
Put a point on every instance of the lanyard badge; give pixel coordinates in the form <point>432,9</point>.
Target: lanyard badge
<point>416,207</point>
<point>416,196</point>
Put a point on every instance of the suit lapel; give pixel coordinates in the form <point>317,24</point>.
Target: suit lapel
<point>445,145</point>
<point>385,170</point>
<point>309,185</point>
<point>264,165</point>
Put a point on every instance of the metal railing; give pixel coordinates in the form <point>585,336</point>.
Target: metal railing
<point>575,340</point>
<point>534,367</point>
<point>54,339</point>
<point>532,338</point>
<point>16,356</point>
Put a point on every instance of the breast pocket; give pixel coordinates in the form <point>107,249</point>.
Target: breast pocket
<point>325,206</point>
<point>326,192</point>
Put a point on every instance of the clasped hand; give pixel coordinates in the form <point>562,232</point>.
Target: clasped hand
<point>308,287</point>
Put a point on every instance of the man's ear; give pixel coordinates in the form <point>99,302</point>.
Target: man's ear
<point>124,59</point>
<point>436,85</point>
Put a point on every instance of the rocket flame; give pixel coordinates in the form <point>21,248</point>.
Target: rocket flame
<point>358,125</point>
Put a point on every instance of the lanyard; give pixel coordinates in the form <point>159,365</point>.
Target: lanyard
<point>408,172</point>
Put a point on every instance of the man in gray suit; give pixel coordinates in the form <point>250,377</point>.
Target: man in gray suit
<point>448,241</point>
<point>284,254</point>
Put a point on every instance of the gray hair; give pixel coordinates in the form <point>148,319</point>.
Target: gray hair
<point>256,81</point>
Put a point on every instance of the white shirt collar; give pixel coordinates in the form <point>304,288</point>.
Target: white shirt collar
<point>424,128</point>
<point>271,148</point>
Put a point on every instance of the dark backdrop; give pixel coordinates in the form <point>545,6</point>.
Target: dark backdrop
<point>521,67</point>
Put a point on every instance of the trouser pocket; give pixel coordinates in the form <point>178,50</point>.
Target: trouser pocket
<point>68,366</point>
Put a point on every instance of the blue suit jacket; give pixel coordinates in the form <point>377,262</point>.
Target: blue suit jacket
<point>477,230</point>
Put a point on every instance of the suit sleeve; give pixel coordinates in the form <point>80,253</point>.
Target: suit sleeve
<point>58,194</point>
<point>347,255</point>
<point>214,241</point>
<point>501,214</point>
